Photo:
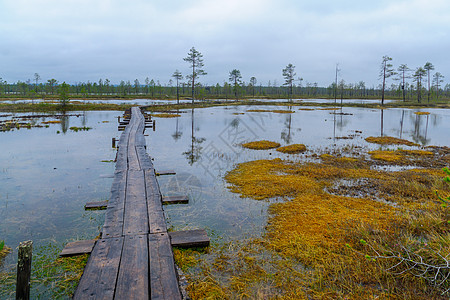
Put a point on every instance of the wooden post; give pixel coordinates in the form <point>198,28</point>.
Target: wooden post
<point>154,123</point>
<point>24,270</point>
<point>118,119</point>
<point>113,142</point>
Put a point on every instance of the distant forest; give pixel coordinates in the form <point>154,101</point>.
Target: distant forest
<point>154,89</point>
<point>424,86</point>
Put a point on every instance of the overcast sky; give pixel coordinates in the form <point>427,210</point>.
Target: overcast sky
<point>81,40</point>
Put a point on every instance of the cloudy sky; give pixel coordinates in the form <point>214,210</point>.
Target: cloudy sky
<point>81,40</point>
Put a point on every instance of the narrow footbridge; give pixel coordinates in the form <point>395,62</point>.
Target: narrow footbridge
<point>133,259</point>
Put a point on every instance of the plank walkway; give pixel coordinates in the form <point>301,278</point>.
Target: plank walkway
<point>134,258</point>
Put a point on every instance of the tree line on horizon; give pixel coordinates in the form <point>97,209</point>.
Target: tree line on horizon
<point>423,83</point>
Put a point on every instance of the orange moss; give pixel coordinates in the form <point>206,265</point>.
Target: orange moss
<point>390,156</point>
<point>165,115</point>
<point>388,140</point>
<point>307,109</point>
<point>52,122</point>
<point>419,113</point>
<point>292,149</point>
<point>398,155</point>
<point>278,111</point>
<point>261,145</point>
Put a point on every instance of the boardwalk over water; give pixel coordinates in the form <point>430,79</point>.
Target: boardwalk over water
<point>134,258</point>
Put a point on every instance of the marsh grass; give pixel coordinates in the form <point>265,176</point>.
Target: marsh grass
<point>321,229</point>
<point>52,277</point>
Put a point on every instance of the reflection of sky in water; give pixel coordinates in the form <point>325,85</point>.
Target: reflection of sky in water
<point>46,178</point>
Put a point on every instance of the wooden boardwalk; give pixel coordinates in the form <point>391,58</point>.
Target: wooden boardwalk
<point>134,258</point>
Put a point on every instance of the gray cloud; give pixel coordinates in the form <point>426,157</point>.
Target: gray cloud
<point>87,40</point>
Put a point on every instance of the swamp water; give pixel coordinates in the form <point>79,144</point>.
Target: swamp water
<point>47,176</point>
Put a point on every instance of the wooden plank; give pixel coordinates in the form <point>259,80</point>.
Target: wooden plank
<point>135,217</point>
<point>78,248</point>
<point>166,172</point>
<point>175,199</point>
<point>144,161</point>
<point>114,215</point>
<point>189,238</point>
<point>163,277</point>
<point>133,281</point>
<point>96,205</point>
<point>100,274</point>
<point>157,221</point>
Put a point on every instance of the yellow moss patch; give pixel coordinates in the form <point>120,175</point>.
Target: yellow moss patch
<point>389,140</point>
<point>164,115</point>
<point>51,122</point>
<point>421,113</point>
<point>263,179</point>
<point>292,149</point>
<point>278,111</point>
<point>398,155</point>
<point>307,109</point>
<point>236,114</point>
<point>322,220</point>
<point>390,156</point>
<point>261,145</point>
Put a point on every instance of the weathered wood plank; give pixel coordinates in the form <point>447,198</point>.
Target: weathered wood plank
<point>114,215</point>
<point>166,172</point>
<point>144,161</point>
<point>175,199</point>
<point>77,248</point>
<point>157,221</point>
<point>135,217</point>
<point>96,205</point>
<point>163,277</point>
<point>133,279</point>
<point>100,274</point>
<point>189,238</point>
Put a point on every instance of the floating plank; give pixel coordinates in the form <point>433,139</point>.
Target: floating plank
<point>145,162</point>
<point>167,172</point>
<point>78,248</point>
<point>114,215</point>
<point>189,238</point>
<point>133,281</point>
<point>100,274</point>
<point>163,277</point>
<point>175,199</point>
<point>96,205</point>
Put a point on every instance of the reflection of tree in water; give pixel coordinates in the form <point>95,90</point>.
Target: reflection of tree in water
<point>177,134</point>
<point>84,119</point>
<point>418,136</point>
<point>64,122</point>
<point>195,151</point>
<point>286,134</point>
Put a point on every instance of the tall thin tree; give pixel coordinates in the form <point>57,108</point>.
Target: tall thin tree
<point>386,71</point>
<point>438,78</point>
<point>253,82</point>
<point>177,75</point>
<point>403,72</point>
<point>418,76</point>
<point>289,74</point>
<point>428,67</point>
<point>235,78</point>
<point>195,60</point>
